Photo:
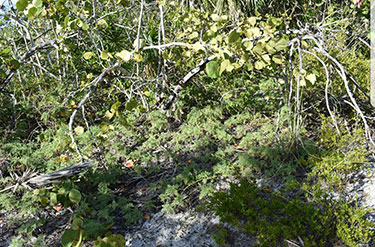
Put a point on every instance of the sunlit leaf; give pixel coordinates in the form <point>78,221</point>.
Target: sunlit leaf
<point>277,59</point>
<point>311,78</point>
<point>259,65</point>
<point>105,55</point>
<point>88,55</point>
<point>212,69</point>
<point>138,57</point>
<point>193,35</point>
<point>102,23</point>
<point>79,130</point>
<point>109,114</point>
<point>226,66</point>
<point>198,46</point>
<point>21,5</point>
<point>124,55</point>
<point>282,44</point>
<point>38,3</point>
<point>5,52</point>
<point>252,20</point>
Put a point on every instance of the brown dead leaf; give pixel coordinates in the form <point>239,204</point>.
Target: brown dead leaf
<point>147,217</point>
<point>129,164</point>
<point>58,207</point>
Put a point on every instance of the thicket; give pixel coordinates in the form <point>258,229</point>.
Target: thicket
<point>163,101</point>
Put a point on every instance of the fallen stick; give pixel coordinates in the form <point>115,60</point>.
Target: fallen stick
<point>56,176</point>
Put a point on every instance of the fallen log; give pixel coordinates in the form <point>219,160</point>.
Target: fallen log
<point>56,176</point>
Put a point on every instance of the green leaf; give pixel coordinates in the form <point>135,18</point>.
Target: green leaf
<point>253,32</point>
<point>79,130</point>
<point>270,47</point>
<point>14,64</point>
<point>32,12</point>
<point>233,37</point>
<point>138,57</point>
<point>105,55</point>
<point>38,3</point>
<point>109,114</point>
<point>311,78</point>
<point>277,59</point>
<point>252,20</point>
<point>75,196</point>
<point>258,49</point>
<point>85,26</point>
<point>21,5</point>
<point>69,237</point>
<point>212,69</point>
<point>53,198</point>
<point>2,74</point>
<point>193,35</point>
<point>77,223</point>
<point>248,45</point>
<point>88,55</point>
<point>115,106</point>
<point>198,46</point>
<point>266,58</point>
<point>226,65</point>
<point>131,104</point>
<point>124,55</point>
<point>66,21</point>
<point>43,200</point>
<point>102,23</point>
<point>260,65</point>
<point>282,44</point>
<point>5,52</point>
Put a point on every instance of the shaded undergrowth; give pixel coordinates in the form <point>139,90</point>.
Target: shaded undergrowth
<point>239,165</point>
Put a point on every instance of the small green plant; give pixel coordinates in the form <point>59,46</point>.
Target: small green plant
<point>112,240</point>
<point>273,218</point>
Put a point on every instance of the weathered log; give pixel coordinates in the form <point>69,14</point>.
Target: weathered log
<point>56,176</point>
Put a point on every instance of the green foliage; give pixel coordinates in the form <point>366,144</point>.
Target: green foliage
<point>222,126</point>
<point>340,156</point>
<point>273,218</point>
<point>114,240</point>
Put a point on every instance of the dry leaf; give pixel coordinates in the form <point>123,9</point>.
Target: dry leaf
<point>58,207</point>
<point>129,164</point>
<point>147,217</point>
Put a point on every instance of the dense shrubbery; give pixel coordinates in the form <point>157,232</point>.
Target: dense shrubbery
<point>169,106</point>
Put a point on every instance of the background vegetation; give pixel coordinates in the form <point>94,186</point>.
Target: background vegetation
<point>166,100</point>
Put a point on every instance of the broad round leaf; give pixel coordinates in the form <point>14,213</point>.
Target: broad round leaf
<point>75,196</point>
<point>311,78</point>
<point>53,198</point>
<point>88,55</point>
<point>69,237</point>
<point>212,69</point>
<point>21,5</point>
<point>79,130</point>
<point>233,37</point>
<point>124,55</point>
